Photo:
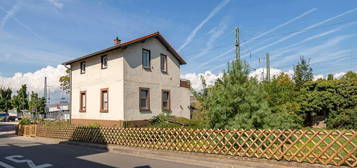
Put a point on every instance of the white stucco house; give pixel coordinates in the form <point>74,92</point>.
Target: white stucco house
<point>131,81</point>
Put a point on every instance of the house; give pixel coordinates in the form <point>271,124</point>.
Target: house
<point>131,81</point>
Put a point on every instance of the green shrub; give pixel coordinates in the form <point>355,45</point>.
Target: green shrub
<point>25,121</point>
<point>167,121</point>
<point>93,125</point>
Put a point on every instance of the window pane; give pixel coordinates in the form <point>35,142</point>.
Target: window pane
<point>143,104</point>
<point>104,61</point>
<point>105,100</point>
<point>146,58</point>
<point>143,94</point>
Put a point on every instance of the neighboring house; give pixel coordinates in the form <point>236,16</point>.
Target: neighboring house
<point>131,81</point>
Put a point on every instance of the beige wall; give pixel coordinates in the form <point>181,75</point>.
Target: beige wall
<point>136,76</point>
<point>92,81</point>
<point>123,77</point>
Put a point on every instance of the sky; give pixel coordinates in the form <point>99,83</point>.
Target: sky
<point>36,36</point>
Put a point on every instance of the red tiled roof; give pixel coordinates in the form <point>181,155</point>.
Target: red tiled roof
<point>128,43</point>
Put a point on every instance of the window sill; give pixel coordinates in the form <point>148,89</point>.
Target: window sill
<point>145,110</point>
<point>82,111</point>
<point>103,111</point>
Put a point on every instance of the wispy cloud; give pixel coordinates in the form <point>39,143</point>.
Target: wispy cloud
<point>279,26</point>
<point>11,14</point>
<point>214,34</point>
<point>199,26</point>
<point>56,3</point>
<point>317,50</point>
<point>292,47</point>
<point>8,15</point>
<point>259,36</point>
<point>302,31</point>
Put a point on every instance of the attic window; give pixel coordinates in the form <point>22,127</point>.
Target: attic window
<point>146,58</point>
<point>83,67</point>
<point>104,62</point>
<point>163,63</point>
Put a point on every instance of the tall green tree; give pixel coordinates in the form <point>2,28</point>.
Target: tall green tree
<point>65,81</point>
<point>281,95</point>
<point>302,72</point>
<point>5,99</point>
<point>236,101</point>
<point>20,101</point>
<point>37,103</point>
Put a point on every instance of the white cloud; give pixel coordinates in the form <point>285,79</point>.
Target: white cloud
<point>199,26</point>
<point>35,81</point>
<point>56,3</point>
<point>195,79</point>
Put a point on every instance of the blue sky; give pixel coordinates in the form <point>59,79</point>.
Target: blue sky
<point>38,33</point>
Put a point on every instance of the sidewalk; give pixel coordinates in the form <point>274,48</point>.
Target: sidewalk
<point>198,159</point>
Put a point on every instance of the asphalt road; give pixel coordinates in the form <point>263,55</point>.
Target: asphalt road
<point>17,153</point>
<point>26,152</point>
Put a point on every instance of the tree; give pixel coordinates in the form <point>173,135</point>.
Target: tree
<point>281,95</point>
<point>37,103</point>
<point>334,101</point>
<point>236,101</point>
<point>5,99</point>
<point>330,77</point>
<point>302,72</point>
<point>20,101</point>
<point>65,82</point>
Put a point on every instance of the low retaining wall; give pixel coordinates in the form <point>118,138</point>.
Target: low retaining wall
<point>331,147</point>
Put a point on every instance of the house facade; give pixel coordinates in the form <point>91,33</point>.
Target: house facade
<point>131,81</point>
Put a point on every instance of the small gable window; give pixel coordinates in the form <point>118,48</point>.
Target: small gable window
<point>104,62</point>
<point>163,63</point>
<point>146,58</point>
<point>83,67</point>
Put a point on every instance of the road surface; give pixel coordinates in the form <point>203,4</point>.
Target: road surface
<point>27,152</point>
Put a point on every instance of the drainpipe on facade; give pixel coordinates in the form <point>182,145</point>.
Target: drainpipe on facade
<point>70,95</point>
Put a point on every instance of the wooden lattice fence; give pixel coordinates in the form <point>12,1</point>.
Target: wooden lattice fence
<point>331,147</point>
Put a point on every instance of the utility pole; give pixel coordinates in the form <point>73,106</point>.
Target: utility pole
<point>268,67</point>
<point>237,44</point>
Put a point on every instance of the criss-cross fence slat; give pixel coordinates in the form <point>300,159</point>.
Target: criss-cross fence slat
<point>332,147</point>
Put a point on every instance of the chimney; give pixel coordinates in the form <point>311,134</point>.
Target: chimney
<point>117,41</point>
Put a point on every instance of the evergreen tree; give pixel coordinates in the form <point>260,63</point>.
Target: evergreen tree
<point>302,72</point>
<point>236,101</point>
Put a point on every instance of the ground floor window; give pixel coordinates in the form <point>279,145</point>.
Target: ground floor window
<point>104,103</point>
<point>144,99</point>
<point>165,97</point>
<point>82,101</point>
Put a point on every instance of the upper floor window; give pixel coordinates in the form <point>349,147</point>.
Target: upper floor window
<point>166,100</point>
<point>104,100</point>
<point>144,99</point>
<point>82,101</point>
<point>83,67</point>
<point>146,58</point>
<point>163,63</point>
<point>104,62</point>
